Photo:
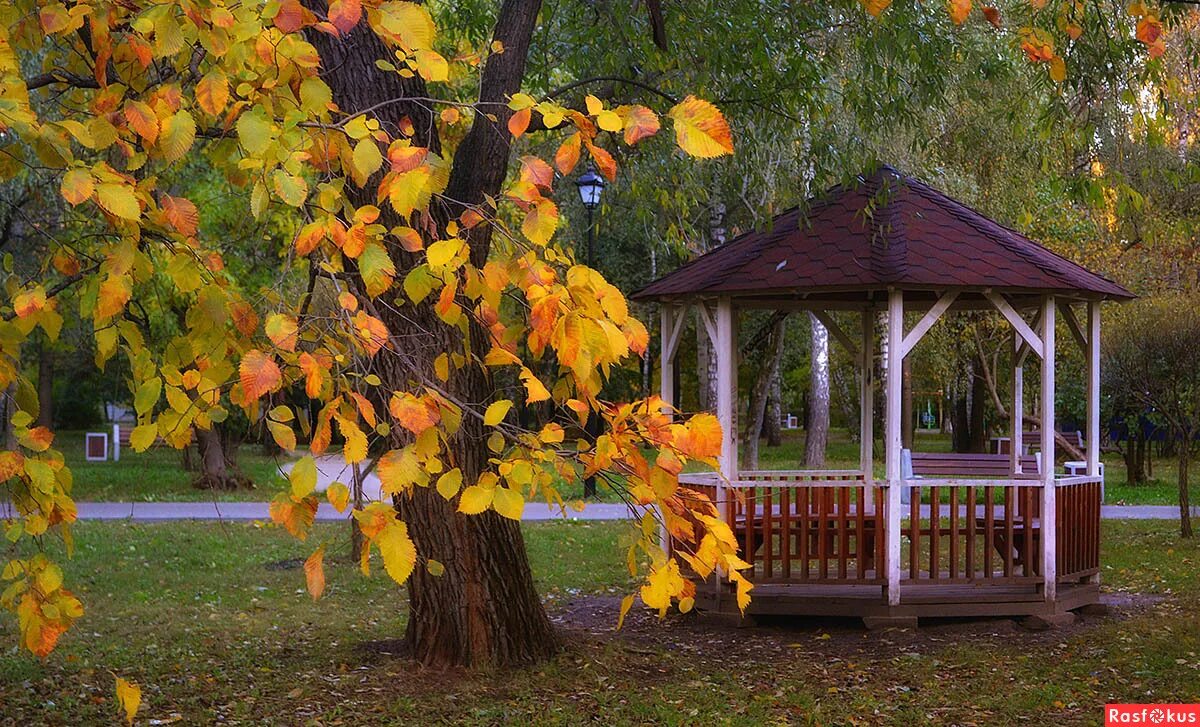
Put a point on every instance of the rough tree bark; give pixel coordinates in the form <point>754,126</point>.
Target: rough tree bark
<point>906,405</point>
<point>774,424</point>
<point>816,435</point>
<point>483,610</point>
<point>706,362</point>
<point>1185,508</point>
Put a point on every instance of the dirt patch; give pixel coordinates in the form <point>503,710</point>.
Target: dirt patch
<point>785,638</point>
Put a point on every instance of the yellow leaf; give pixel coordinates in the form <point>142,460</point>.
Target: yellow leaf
<point>178,134</point>
<point>450,483</point>
<point>338,496</point>
<point>254,131</point>
<point>475,499</point>
<point>432,66</point>
<point>959,10</point>
<point>118,200</point>
<point>292,189</point>
<point>129,698</point>
<point>508,502</point>
<point>875,7</point>
<point>412,23</point>
<point>367,159</point>
<point>536,390</point>
<point>303,477</point>
<point>399,470</point>
<point>700,129</point>
<point>540,222</point>
<point>434,567</point>
<point>496,412</point>
<point>142,120</point>
<point>142,437</point>
<point>377,269</point>
<point>626,604</point>
<point>399,553</point>
<point>314,573</point>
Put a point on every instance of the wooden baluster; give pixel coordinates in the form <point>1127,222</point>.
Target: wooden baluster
<point>751,525</point>
<point>768,531</point>
<point>860,542</point>
<point>914,532</point>
<point>989,529</point>
<point>1032,560</point>
<point>935,531</point>
<point>802,511</point>
<point>970,569</point>
<point>843,523</point>
<point>1008,531</point>
<point>785,532</point>
<point>954,533</point>
<point>822,494</point>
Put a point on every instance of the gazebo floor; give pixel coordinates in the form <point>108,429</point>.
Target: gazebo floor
<point>916,601</point>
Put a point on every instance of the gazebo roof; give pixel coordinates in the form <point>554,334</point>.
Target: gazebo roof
<point>887,230</point>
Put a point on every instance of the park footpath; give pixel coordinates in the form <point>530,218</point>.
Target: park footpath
<point>534,511</point>
<point>333,469</point>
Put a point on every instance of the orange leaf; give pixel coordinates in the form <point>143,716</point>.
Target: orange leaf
<point>519,122</point>
<point>259,374</point>
<point>567,155</point>
<point>959,10</point>
<point>415,415</point>
<point>409,239</point>
<point>372,334</point>
<point>345,14</point>
<point>282,330</point>
<point>30,302</point>
<point>77,186</point>
<point>639,122</point>
<point>314,573</point>
<point>142,120</point>
<point>181,213</point>
<point>604,161</point>
<point>992,15</point>
<point>537,172</point>
<point>314,374</point>
<point>1149,29</point>
<point>212,92</point>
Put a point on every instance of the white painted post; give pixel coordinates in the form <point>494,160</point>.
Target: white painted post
<point>1049,501</point>
<point>1016,441</point>
<point>866,429</point>
<point>1093,389</point>
<point>726,350</point>
<point>116,447</point>
<point>1093,403</point>
<point>666,379</point>
<point>895,355</point>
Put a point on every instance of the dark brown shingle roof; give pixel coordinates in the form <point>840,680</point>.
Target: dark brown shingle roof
<point>887,230</point>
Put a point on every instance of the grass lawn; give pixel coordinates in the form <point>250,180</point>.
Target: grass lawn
<point>203,618</point>
<point>157,475</point>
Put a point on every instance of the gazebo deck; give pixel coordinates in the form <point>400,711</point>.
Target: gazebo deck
<point>815,539</point>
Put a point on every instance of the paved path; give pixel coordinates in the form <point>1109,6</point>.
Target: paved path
<point>160,511</point>
<point>163,511</point>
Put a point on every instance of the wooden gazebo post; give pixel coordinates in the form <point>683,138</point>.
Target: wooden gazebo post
<point>891,439</point>
<point>1049,501</point>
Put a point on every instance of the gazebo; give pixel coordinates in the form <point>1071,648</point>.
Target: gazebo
<point>971,536</point>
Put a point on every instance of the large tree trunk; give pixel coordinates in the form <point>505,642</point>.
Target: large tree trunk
<point>906,405</point>
<point>817,427</point>
<point>483,610</point>
<point>706,359</point>
<point>978,437</point>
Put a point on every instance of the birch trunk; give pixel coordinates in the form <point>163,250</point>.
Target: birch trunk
<point>817,427</point>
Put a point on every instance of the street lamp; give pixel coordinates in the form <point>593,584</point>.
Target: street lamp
<point>591,186</point>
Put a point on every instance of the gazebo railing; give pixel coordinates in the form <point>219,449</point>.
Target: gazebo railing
<point>828,527</point>
<point>803,526</point>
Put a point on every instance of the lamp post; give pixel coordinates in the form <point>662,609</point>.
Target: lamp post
<point>591,186</point>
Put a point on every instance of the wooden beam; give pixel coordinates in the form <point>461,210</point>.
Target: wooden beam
<point>866,392</point>
<point>832,326</point>
<point>1017,420</point>
<point>670,316</point>
<point>1049,499</point>
<point>1093,389</point>
<point>676,329</point>
<point>895,362</point>
<point>1023,350</point>
<point>931,317</point>
<point>1064,307</point>
<point>706,318</point>
<point>1016,321</point>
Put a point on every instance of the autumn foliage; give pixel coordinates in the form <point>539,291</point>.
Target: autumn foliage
<point>111,97</point>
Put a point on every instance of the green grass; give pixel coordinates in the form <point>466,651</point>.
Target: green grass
<point>192,612</point>
<point>157,475</point>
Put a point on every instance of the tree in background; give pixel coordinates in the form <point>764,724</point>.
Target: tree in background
<point>1152,355</point>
